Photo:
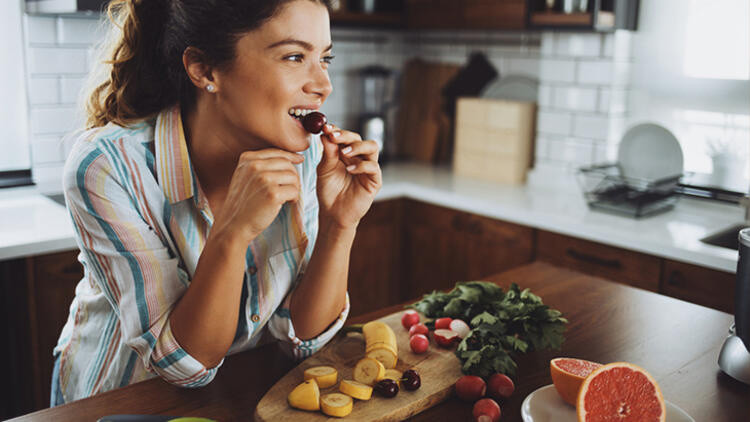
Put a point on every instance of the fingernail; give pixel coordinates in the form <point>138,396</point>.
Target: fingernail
<point>329,127</point>
<point>336,134</point>
<point>350,168</point>
<point>346,150</point>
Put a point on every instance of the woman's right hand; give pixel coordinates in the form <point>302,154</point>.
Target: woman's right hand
<point>262,182</point>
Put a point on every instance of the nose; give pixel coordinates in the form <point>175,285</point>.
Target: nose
<point>319,83</point>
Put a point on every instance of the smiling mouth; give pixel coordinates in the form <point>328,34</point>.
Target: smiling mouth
<point>299,113</point>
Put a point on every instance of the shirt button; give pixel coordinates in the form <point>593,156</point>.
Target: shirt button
<point>252,270</point>
<point>255,318</point>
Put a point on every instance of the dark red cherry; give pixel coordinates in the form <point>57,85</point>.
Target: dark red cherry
<point>314,122</point>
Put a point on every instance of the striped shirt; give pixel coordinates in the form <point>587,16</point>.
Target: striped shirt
<point>141,222</point>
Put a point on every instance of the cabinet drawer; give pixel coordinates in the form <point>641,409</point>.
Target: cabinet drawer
<point>703,286</point>
<point>633,268</point>
<point>495,14</point>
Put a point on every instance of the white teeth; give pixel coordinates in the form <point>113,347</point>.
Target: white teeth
<point>299,112</point>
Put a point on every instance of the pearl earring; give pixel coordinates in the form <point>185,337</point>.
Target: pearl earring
<point>210,88</point>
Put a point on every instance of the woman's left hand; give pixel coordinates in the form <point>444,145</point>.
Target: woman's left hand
<point>348,176</point>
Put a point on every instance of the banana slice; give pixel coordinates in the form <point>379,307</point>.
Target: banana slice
<point>369,371</point>
<point>395,375</point>
<point>305,396</point>
<point>336,404</point>
<point>384,355</point>
<point>356,389</point>
<point>325,376</point>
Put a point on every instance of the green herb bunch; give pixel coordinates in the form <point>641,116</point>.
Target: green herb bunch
<point>503,324</point>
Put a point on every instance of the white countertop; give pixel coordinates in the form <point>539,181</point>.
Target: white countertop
<point>32,224</point>
<point>674,235</point>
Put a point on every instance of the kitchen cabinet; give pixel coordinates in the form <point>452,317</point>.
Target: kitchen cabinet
<point>443,246</point>
<point>597,15</point>
<point>633,268</point>
<point>466,14</point>
<point>37,292</point>
<point>375,262</point>
<point>703,286</point>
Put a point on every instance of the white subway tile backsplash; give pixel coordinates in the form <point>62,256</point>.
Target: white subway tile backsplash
<point>70,89</point>
<point>43,60</point>
<point>78,30</point>
<point>578,44</point>
<point>557,70</point>
<point>55,120</point>
<point>613,101</point>
<point>40,29</point>
<point>554,122</point>
<point>547,48</point>
<point>591,126</point>
<point>617,45</point>
<point>520,66</point>
<point>44,91</point>
<point>48,149</point>
<point>545,96</point>
<point>574,98</point>
<point>595,72</point>
<point>574,152</point>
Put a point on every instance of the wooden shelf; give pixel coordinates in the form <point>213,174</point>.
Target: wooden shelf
<point>566,19</point>
<point>343,17</point>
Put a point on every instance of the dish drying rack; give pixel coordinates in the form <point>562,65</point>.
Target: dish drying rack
<point>607,189</point>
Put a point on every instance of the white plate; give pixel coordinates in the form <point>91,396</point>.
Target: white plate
<point>649,152</point>
<point>545,405</point>
<point>512,87</point>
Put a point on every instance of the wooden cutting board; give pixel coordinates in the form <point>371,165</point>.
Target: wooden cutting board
<point>438,368</point>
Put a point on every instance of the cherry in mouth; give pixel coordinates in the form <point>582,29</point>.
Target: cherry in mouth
<point>314,122</point>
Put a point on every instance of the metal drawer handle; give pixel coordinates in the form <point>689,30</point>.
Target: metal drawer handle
<point>580,256</point>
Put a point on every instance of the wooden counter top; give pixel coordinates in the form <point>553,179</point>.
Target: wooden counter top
<point>677,342</point>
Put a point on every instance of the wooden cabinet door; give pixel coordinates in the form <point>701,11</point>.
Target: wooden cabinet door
<point>434,14</point>
<point>443,246</point>
<point>52,282</point>
<point>703,286</point>
<point>633,268</point>
<point>373,268</point>
<point>495,14</point>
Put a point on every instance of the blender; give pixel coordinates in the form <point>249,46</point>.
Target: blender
<point>734,358</point>
<point>376,91</point>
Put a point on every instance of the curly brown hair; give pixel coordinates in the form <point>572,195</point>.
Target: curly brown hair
<point>142,72</point>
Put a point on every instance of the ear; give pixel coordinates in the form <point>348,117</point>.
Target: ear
<point>199,72</point>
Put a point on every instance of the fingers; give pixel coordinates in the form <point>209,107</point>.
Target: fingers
<point>269,164</point>
<point>368,149</point>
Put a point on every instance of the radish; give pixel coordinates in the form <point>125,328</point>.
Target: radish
<point>445,338</point>
<point>443,323</point>
<point>461,328</point>
<point>409,318</point>
<point>419,343</point>
<point>470,388</point>
<point>500,386</point>
<point>486,410</point>
<point>419,328</point>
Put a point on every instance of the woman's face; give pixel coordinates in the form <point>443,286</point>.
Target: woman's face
<point>280,66</point>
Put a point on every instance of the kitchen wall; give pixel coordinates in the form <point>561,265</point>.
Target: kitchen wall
<point>582,95</point>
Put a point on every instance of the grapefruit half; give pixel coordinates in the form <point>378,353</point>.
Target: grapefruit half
<point>620,391</point>
<point>568,375</point>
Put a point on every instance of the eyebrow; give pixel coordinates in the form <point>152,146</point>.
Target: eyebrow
<point>304,44</point>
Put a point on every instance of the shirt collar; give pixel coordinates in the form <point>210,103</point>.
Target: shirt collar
<point>173,168</point>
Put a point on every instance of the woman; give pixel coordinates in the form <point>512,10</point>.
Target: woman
<point>206,216</point>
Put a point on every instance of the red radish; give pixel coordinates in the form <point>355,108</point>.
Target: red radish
<point>418,328</point>
<point>443,323</point>
<point>461,328</point>
<point>419,343</point>
<point>409,318</point>
<point>470,388</point>
<point>499,386</point>
<point>445,338</point>
<point>486,410</point>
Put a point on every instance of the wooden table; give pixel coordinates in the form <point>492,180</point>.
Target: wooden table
<point>676,341</point>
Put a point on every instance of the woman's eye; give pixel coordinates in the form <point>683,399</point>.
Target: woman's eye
<point>328,59</point>
<point>294,58</point>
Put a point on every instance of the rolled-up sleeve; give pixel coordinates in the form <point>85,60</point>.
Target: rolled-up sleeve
<point>128,260</point>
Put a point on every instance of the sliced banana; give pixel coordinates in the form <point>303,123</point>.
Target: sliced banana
<point>369,371</point>
<point>325,376</point>
<point>384,355</point>
<point>356,389</point>
<point>305,396</point>
<point>336,404</point>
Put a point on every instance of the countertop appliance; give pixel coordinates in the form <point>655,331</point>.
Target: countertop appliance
<point>376,94</point>
<point>734,358</point>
